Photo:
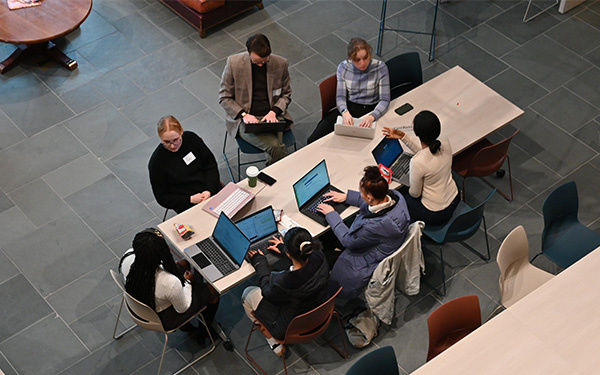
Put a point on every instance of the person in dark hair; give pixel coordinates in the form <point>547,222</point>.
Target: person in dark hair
<point>432,196</point>
<point>170,288</point>
<point>255,87</point>
<point>363,88</point>
<point>284,295</point>
<point>378,230</point>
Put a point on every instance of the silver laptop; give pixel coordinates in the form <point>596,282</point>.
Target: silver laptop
<point>355,130</point>
<point>389,152</point>
<point>222,253</point>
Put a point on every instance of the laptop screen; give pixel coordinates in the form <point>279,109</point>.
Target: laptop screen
<point>387,151</point>
<point>258,225</point>
<point>231,238</point>
<point>312,182</point>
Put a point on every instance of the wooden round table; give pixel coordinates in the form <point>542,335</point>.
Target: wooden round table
<point>33,29</point>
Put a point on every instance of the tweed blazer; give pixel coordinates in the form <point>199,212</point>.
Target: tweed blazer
<point>235,93</point>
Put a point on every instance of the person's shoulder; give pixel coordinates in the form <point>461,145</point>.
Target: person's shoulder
<point>158,152</point>
<point>190,135</point>
<point>344,64</point>
<point>166,278</point>
<point>378,64</point>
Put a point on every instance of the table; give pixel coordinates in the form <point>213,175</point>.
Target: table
<point>553,330</point>
<point>33,29</point>
<point>480,112</point>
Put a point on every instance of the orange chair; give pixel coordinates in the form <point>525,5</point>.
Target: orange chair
<point>305,328</point>
<point>327,91</point>
<point>452,321</point>
<point>484,159</point>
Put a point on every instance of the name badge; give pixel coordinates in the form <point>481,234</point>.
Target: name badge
<point>277,92</point>
<point>189,158</point>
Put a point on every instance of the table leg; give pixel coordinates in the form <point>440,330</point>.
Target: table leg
<point>48,49</point>
<point>19,54</point>
<point>57,55</point>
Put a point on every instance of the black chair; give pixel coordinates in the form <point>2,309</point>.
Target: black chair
<point>380,361</point>
<point>405,73</point>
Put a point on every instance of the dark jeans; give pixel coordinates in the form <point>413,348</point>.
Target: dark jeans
<point>418,211</point>
<point>326,125</point>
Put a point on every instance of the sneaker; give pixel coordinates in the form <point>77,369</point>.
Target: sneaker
<point>278,349</point>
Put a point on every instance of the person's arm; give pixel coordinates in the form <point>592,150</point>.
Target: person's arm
<point>179,296</point>
<point>210,168</point>
<point>272,294</point>
<point>284,99</point>
<point>412,142</point>
<point>384,91</point>
<point>416,180</point>
<point>340,91</point>
<point>227,92</point>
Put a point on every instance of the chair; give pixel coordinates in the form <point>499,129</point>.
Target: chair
<point>518,277</point>
<point>305,328</point>
<point>247,148</point>
<point>327,90</point>
<point>405,73</point>
<point>484,159</point>
<point>565,240</point>
<point>451,322</point>
<point>145,317</point>
<point>464,223</point>
<point>381,361</point>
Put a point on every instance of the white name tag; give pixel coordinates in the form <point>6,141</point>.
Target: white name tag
<point>189,158</point>
<point>277,92</point>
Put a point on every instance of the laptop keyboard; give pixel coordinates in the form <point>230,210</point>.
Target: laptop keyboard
<point>231,202</point>
<point>321,199</point>
<point>217,258</point>
<point>262,246</point>
<point>401,166</point>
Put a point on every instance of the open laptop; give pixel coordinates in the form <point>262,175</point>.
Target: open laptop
<point>309,192</point>
<point>222,253</point>
<point>229,200</point>
<point>354,130</point>
<point>259,227</point>
<point>266,127</point>
<point>389,152</point>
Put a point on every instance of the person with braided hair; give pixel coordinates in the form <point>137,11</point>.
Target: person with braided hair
<point>432,196</point>
<point>170,288</point>
<point>378,230</point>
<point>281,296</point>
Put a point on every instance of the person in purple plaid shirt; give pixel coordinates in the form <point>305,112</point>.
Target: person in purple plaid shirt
<point>363,88</point>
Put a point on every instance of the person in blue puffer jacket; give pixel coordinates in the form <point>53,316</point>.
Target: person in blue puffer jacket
<point>378,230</point>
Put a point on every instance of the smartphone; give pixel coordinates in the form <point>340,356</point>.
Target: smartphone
<point>266,178</point>
<point>403,109</point>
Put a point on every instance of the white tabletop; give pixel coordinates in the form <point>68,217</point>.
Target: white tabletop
<point>553,330</point>
<point>480,112</point>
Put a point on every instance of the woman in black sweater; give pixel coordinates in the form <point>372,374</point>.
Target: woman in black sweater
<point>284,295</point>
<point>183,171</point>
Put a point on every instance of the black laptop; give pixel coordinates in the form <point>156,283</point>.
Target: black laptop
<point>259,227</point>
<point>266,127</point>
<point>309,192</point>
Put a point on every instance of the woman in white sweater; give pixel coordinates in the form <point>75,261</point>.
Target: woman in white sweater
<point>170,288</point>
<point>432,196</point>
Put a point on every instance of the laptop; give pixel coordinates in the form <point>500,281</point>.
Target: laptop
<point>389,152</point>
<point>309,192</point>
<point>222,253</point>
<point>266,127</point>
<point>354,130</point>
<point>229,200</point>
<point>259,227</point>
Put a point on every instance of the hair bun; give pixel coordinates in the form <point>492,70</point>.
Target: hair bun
<point>435,146</point>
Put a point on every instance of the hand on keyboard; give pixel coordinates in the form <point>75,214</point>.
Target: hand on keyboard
<point>276,240</point>
<point>324,208</point>
<point>334,196</point>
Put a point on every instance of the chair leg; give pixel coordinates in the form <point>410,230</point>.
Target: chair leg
<point>441,292</point>
<point>165,215</point>
<point>118,336</point>
<point>464,195</point>
<point>343,354</point>
<point>510,181</point>
<point>213,347</point>
<point>162,357</point>
<point>487,244</point>
<point>254,328</point>
<point>239,164</point>
<point>226,341</point>
<point>226,159</point>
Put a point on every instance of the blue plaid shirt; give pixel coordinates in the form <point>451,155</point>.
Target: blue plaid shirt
<point>368,87</point>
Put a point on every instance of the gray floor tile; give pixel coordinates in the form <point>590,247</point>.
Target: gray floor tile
<point>204,85</point>
<point>471,13</point>
<point>473,59</point>
<point>142,33</point>
<point>82,98</point>
<point>485,276</point>
<point>510,23</point>
<point>217,68</point>
<point>490,40</point>
<point>363,27</point>
<point>221,44</point>
<point>433,71</point>
<point>566,109</point>
<point>62,244</point>
<point>76,175</point>
<point>528,169</point>
<point>305,93</point>
<point>117,88</point>
<point>22,306</point>
<point>177,29</point>
<point>170,100</point>
<point>14,224</point>
<point>287,6</point>
<point>112,11</point>
<point>92,29</point>
<point>373,8</point>
<point>590,16</point>
<point>48,356</point>
<point>61,80</point>
<point>332,48</point>
<point>10,133</point>
<point>594,57</point>
<point>160,69</point>
<point>105,131</point>
<point>125,211</point>
<point>111,52</point>
<point>158,13</point>
<point>533,223</point>
<point>173,362</point>
<point>283,40</point>
<point>586,86</point>
<point>6,366</point>
<point>5,202</point>
<point>546,62</point>
<point>317,68</point>
<point>242,26</point>
<point>95,329</point>
<point>39,203</point>
<point>7,268</point>
<point>24,163</point>
<point>211,128</point>
<point>576,36</point>
<point>124,242</point>
<point>589,134</point>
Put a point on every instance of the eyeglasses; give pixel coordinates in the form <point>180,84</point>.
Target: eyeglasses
<point>174,142</point>
<point>260,61</point>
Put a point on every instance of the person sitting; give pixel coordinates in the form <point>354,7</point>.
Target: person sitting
<point>363,87</point>
<point>284,295</point>
<point>171,289</point>
<point>183,171</point>
<point>378,230</point>
<point>432,196</point>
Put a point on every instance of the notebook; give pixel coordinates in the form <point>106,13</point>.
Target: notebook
<point>229,200</point>
<point>222,253</point>
<point>355,130</point>
<point>309,192</point>
<point>389,152</point>
<point>259,227</point>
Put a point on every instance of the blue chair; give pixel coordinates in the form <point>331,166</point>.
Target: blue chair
<point>245,147</point>
<point>381,361</point>
<point>405,73</point>
<point>464,223</point>
<point>565,240</point>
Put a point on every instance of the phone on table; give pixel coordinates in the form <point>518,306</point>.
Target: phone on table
<point>403,109</point>
<point>266,178</point>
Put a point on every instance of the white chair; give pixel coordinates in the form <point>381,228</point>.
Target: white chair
<point>145,317</point>
<point>518,277</point>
